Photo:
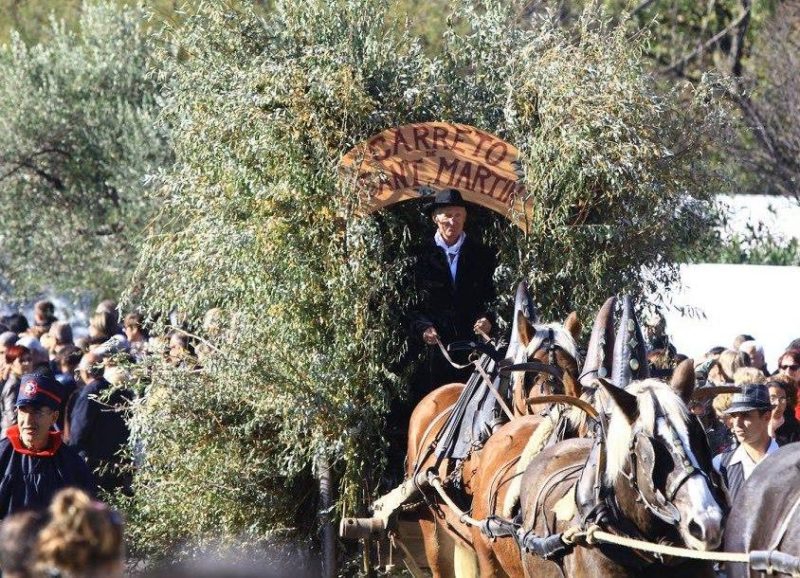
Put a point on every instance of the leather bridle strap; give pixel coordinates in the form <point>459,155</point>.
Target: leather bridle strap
<point>449,359</point>
<point>551,347</point>
<point>488,382</point>
<point>536,367</point>
<point>689,469</point>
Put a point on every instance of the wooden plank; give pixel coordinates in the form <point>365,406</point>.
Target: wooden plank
<point>386,505</point>
<point>409,532</point>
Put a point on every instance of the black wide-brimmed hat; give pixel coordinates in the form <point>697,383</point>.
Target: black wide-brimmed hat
<point>753,396</point>
<point>445,198</point>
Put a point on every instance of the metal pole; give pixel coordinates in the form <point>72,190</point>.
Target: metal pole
<point>328,530</point>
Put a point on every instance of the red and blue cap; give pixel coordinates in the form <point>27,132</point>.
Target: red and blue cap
<point>39,390</point>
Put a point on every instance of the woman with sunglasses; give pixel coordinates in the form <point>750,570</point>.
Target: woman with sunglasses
<point>789,365</point>
<point>784,427</point>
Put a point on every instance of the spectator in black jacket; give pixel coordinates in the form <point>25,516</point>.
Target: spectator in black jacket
<point>34,464</point>
<point>97,428</point>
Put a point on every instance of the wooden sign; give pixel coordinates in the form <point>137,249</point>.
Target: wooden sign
<point>415,160</point>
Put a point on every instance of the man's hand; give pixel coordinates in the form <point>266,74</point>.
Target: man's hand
<point>430,335</point>
<point>482,325</point>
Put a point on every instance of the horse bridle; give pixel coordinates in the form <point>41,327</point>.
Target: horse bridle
<point>551,364</point>
<point>666,511</point>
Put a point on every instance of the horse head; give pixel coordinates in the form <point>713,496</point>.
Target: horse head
<point>658,463</point>
<point>553,354</point>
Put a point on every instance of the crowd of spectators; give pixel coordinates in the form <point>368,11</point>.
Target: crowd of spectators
<point>65,442</point>
<point>757,411</point>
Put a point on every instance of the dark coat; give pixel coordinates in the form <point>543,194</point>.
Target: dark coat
<point>68,387</point>
<point>789,430</point>
<point>31,479</point>
<point>453,308</point>
<point>97,430</point>
<point>732,474</point>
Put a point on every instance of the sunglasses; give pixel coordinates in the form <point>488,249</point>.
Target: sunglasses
<point>793,367</point>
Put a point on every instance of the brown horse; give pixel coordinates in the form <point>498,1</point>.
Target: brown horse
<point>766,512</point>
<point>657,483</point>
<point>442,530</point>
<point>506,454</point>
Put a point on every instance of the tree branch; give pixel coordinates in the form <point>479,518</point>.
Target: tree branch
<point>677,67</point>
<point>106,231</point>
<point>737,44</point>
<point>643,5</point>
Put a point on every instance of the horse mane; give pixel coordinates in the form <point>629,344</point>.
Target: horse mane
<point>620,432</point>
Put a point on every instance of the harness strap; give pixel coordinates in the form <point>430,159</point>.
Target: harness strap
<point>488,382</point>
<point>560,398</point>
<point>549,484</point>
<point>494,491</point>
<point>551,347</point>
<point>536,367</point>
<point>449,359</point>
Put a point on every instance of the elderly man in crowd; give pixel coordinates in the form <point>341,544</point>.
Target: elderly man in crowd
<point>33,461</point>
<point>756,353</point>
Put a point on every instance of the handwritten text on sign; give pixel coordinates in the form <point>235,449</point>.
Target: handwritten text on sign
<point>396,163</point>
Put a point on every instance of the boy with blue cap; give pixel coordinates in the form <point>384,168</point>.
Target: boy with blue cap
<point>34,463</point>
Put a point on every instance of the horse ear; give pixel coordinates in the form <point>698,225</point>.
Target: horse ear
<point>573,325</point>
<point>624,400</point>
<point>683,379</point>
<point>525,331</point>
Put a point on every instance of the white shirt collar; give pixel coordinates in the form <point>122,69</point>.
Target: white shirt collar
<point>455,248</point>
<point>740,455</point>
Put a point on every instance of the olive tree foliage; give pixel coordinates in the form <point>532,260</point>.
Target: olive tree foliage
<point>77,139</point>
<point>754,44</point>
<point>259,224</point>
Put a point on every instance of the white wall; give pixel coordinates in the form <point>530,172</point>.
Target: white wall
<point>763,301</point>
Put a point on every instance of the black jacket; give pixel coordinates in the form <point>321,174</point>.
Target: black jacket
<point>789,430</point>
<point>30,479</point>
<point>452,308</point>
<point>97,429</point>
